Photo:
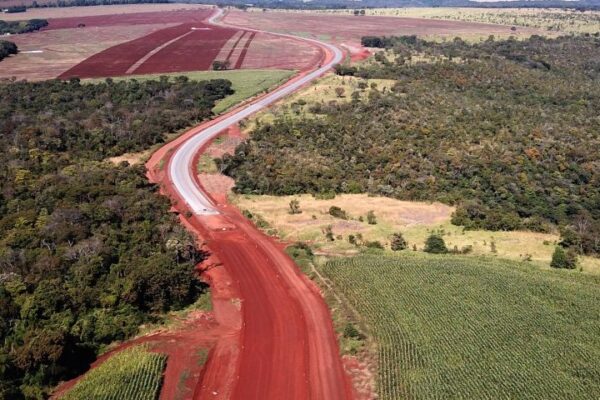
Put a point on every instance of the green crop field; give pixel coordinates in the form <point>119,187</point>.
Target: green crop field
<point>132,374</point>
<point>450,327</point>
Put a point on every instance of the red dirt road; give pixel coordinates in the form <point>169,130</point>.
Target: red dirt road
<point>286,347</point>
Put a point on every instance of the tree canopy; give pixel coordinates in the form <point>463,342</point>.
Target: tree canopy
<point>88,249</point>
<point>508,131</point>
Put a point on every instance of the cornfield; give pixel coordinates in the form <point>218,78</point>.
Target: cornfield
<point>452,327</point>
<point>132,374</point>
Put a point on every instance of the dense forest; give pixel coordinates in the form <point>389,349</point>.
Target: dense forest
<point>508,131</point>
<point>88,249</point>
<point>17,27</point>
<point>7,48</point>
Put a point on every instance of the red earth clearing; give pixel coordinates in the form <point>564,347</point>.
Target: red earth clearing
<point>192,45</point>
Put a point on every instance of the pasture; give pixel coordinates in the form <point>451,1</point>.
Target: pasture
<point>474,328</point>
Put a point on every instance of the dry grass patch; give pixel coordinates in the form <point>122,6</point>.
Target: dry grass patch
<point>416,221</point>
<point>322,91</point>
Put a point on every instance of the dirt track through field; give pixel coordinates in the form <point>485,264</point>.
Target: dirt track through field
<point>242,57</point>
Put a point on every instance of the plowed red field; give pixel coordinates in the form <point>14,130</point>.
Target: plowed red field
<point>185,47</point>
<point>194,52</point>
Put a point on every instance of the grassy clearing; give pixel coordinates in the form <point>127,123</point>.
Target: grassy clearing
<point>415,220</point>
<point>322,91</point>
<point>550,20</point>
<point>206,165</point>
<point>134,373</point>
<point>475,328</point>
<point>246,82</point>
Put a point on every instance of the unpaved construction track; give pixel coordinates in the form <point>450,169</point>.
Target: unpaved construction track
<point>280,343</point>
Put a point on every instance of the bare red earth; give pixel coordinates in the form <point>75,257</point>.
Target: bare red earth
<point>194,51</point>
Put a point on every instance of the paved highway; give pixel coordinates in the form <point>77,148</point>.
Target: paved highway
<point>180,167</point>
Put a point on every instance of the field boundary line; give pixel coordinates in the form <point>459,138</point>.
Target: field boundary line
<point>235,45</point>
<point>242,56</point>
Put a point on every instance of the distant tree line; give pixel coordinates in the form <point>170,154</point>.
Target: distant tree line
<point>7,48</point>
<point>16,9</point>
<point>84,3</point>
<point>505,130</point>
<point>17,27</point>
<point>88,249</point>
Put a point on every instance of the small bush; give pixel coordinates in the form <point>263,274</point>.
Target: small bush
<point>337,212</point>
<point>295,207</point>
<point>324,196</point>
<point>371,218</point>
<point>351,332</point>
<point>328,231</point>
<point>398,242</point>
<point>435,244</point>
<point>563,259</point>
<point>375,244</point>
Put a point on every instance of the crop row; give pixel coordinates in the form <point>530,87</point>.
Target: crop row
<point>132,374</point>
<point>455,327</point>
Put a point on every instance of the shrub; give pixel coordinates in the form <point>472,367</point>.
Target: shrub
<point>371,218</point>
<point>398,242</point>
<point>295,207</point>
<point>435,244</point>
<point>351,332</point>
<point>220,65</point>
<point>374,245</point>
<point>337,212</point>
<point>563,259</point>
<point>328,231</point>
<point>325,195</point>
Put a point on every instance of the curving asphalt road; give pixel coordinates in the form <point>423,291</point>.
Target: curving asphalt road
<point>180,166</point>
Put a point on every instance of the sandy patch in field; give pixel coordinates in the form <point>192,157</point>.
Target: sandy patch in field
<point>64,48</point>
<point>66,12</point>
